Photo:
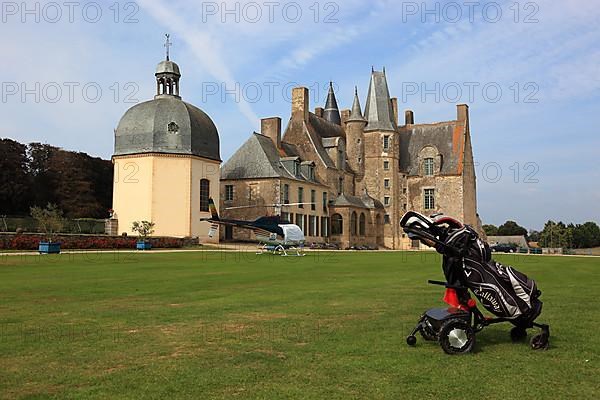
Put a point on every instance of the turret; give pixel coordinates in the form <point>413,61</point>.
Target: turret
<point>332,112</point>
<point>355,126</point>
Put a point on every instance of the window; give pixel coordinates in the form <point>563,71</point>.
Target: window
<point>286,194</point>
<point>386,219</point>
<point>228,192</point>
<point>386,183</point>
<point>300,221</point>
<point>340,186</point>
<point>362,222</point>
<point>252,193</point>
<point>301,197</point>
<point>341,159</point>
<point>429,199</point>
<point>337,224</point>
<point>311,173</point>
<point>324,226</point>
<point>296,168</point>
<point>285,217</point>
<point>386,200</point>
<point>312,225</point>
<point>359,160</point>
<point>428,167</point>
<point>325,201</point>
<point>313,200</point>
<point>386,165</point>
<point>204,194</point>
<point>404,190</point>
<point>386,142</point>
<point>404,206</point>
<point>353,224</point>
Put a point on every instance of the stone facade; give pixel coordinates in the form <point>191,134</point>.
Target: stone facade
<point>370,169</point>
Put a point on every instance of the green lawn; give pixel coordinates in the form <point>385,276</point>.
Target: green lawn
<point>210,325</point>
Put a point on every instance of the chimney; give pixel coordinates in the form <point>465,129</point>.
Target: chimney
<point>300,103</point>
<point>409,117</point>
<point>462,113</point>
<point>271,127</point>
<point>319,112</point>
<point>394,101</point>
<point>345,115</point>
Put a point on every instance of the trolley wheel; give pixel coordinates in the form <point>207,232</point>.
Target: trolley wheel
<point>428,334</point>
<point>457,336</point>
<point>540,341</point>
<point>411,340</point>
<point>517,334</point>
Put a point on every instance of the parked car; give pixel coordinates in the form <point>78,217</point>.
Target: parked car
<point>505,248</point>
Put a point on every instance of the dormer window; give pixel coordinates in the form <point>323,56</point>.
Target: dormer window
<point>428,167</point>
<point>311,173</point>
<point>296,168</point>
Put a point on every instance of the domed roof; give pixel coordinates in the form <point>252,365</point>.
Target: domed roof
<point>169,67</point>
<point>167,125</point>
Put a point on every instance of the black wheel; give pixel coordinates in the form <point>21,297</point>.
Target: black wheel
<point>411,340</point>
<point>457,336</point>
<point>517,334</point>
<point>427,333</point>
<point>539,342</point>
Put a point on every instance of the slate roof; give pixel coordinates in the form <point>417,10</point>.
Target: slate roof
<point>259,158</point>
<point>371,202</point>
<point>356,113</point>
<point>347,200</point>
<point>331,113</point>
<point>448,137</point>
<point>167,125</point>
<point>520,240</point>
<point>378,109</point>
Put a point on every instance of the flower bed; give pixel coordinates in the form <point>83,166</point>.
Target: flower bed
<point>30,241</point>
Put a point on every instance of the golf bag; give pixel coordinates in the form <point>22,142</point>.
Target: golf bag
<point>467,265</point>
<point>501,289</point>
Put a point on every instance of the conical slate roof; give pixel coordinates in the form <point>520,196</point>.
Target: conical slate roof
<point>331,112</point>
<point>378,111</point>
<point>356,113</point>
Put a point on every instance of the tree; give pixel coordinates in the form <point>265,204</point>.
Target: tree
<point>15,185</point>
<point>586,235</point>
<point>143,228</point>
<point>50,219</point>
<point>511,228</point>
<point>490,230</point>
<point>534,236</point>
<point>556,235</point>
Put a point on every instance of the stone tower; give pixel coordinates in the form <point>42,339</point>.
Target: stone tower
<point>382,155</point>
<point>355,139</point>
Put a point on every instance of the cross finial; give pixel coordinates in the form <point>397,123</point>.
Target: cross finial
<point>168,44</point>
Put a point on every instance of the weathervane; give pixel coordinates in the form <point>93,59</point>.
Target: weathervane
<point>168,44</point>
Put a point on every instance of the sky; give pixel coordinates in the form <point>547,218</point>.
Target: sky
<point>530,72</point>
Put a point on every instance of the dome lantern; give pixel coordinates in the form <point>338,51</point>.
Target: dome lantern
<point>167,75</point>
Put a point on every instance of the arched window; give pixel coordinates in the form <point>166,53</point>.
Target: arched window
<point>362,224</point>
<point>204,194</point>
<point>337,224</point>
<point>353,218</point>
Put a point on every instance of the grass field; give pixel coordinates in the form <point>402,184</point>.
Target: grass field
<point>210,325</point>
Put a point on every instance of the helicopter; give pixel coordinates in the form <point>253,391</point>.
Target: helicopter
<point>274,234</point>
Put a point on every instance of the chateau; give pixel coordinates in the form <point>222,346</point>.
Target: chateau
<point>348,176</point>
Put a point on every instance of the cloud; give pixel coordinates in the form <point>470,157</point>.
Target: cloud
<point>203,45</point>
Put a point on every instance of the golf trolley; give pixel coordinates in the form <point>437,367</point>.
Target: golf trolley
<point>507,293</point>
<point>455,327</point>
